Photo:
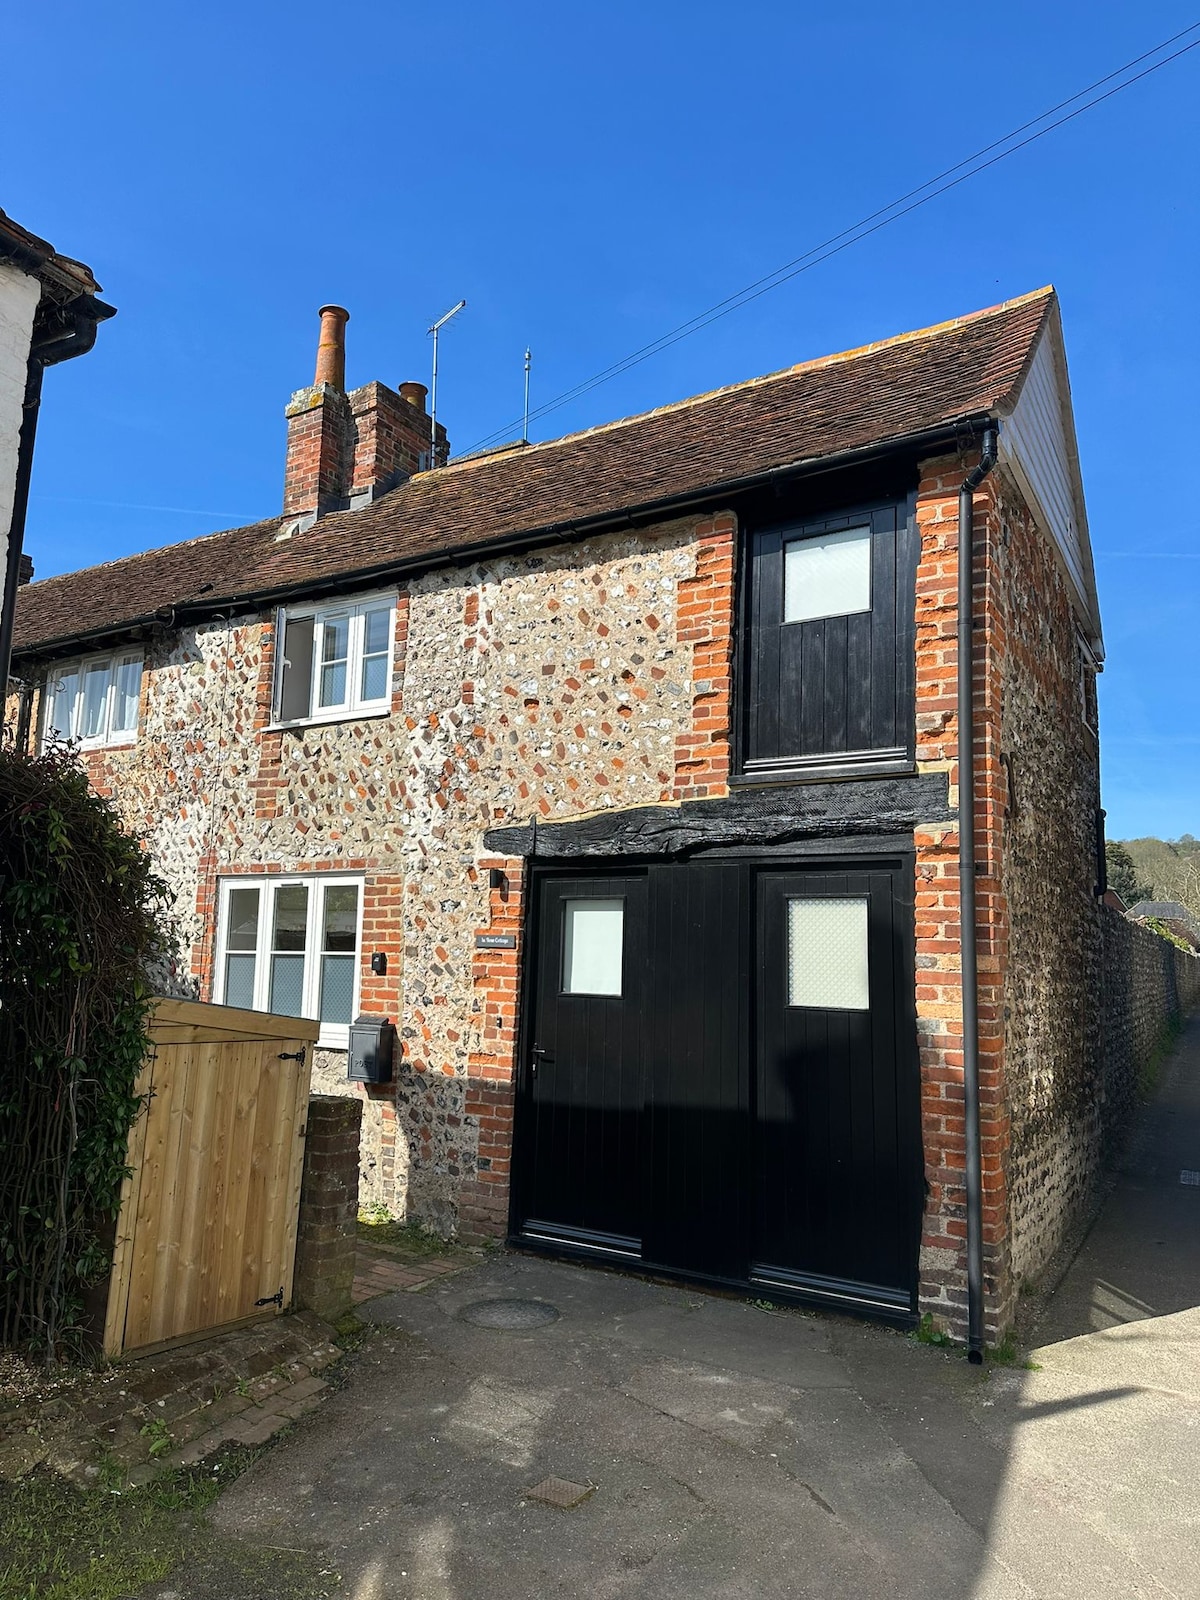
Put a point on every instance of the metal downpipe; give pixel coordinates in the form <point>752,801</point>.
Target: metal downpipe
<point>966,888</point>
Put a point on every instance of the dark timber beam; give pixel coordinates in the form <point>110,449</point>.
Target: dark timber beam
<point>775,814</point>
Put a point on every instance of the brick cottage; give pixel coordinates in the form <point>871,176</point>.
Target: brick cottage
<point>622,773</point>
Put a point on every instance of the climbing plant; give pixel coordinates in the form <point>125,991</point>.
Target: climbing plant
<point>82,917</point>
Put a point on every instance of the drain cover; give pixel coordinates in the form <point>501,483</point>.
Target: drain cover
<point>561,1493</point>
<point>511,1314</point>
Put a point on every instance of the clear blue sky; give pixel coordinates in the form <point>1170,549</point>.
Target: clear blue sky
<point>588,177</point>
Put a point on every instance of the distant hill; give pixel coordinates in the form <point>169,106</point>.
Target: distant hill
<point>1170,867</point>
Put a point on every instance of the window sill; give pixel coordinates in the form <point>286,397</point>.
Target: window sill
<point>330,718</point>
<point>880,764</point>
<point>334,1036</point>
<point>90,747</point>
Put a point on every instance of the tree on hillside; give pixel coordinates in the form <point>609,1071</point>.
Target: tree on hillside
<point>1123,876</point>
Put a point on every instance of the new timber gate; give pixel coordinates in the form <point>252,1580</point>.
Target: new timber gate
<point>206,1235</point>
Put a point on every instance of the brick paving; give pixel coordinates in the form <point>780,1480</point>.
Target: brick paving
<point>152,1413</point>
<point>388,1269</point>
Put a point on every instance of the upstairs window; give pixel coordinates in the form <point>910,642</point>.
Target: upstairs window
<point>828,668</point>
<point>291,945</point>
<point>93,702</point>
<point>334,662</point>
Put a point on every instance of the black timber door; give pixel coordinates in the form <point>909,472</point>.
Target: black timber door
<point>586,1084</point>
<point>837,1123</point>
<point>721,1075</point>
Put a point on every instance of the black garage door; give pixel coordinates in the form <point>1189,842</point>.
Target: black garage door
<point>720,1075</point>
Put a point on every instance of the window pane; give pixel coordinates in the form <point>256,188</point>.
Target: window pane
<point>291,917</point>
<point>340,923</point>
<point>287,985</point>
<point>337,988</point>
<point>95,700</point>
<point>593,933</point>
<point>125,700</point>
<point>374,678</point>
<point>63,690</point>
<point>827,954</point>
<point>239,981</point>
<point>335,645</point>
<point>241,920</point>
<point>296,669</point>
<point>376,629</point>
<point>827,577</point>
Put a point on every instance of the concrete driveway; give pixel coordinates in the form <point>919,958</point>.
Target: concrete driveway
<point>728,1450</point>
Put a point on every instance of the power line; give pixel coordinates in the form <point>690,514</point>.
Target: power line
<point>873,223</point>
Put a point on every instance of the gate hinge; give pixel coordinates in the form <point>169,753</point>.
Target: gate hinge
<point>294,1055</point>
<point>275,1299</point>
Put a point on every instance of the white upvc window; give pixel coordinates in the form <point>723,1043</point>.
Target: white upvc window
<point>334,662</point>
<point>93,701</point>
<point>292,946</point>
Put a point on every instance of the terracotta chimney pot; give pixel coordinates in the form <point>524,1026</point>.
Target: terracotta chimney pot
<point>415,394</point>
<point>331,349</point>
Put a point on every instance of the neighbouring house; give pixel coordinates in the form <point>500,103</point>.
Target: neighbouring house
<point>1182,922</point>
<point>49,312</point>
<point>622,773</point>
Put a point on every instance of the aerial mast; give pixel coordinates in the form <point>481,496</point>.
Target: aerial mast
<point>434,330</point>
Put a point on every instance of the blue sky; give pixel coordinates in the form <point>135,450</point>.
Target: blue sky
<point>588,177</point>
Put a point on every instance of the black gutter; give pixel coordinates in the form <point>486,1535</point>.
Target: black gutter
<point>946,436</point>
<point>75,326</point>
<point>966,886</point>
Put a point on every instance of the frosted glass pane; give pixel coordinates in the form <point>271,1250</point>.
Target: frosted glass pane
<point>239,982</point>
<point>374,677</point>
<point>827,954</point>
<point>95,701</point>
<point>287,985</point>
<point>333,684</point>
<point>337,988</point>
<point>125,707</point>
<point>827,577</point>
<point>593,936</point>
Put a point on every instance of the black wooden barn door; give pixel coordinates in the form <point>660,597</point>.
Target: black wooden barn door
<point>837,1127</point>
<point>582,1162</point>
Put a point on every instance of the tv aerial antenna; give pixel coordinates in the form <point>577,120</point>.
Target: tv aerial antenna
<point>435,330</point>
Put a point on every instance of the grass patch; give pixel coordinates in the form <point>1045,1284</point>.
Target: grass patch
<point>376,1227</point>
<point>59,1542</point>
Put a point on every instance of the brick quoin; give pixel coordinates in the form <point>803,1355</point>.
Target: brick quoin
<point>703,755</point>
<point>943,1281</point>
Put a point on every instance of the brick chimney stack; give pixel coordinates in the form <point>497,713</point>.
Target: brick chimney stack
<point>344,450</point>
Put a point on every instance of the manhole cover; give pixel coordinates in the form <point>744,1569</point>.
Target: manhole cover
<point>509,1313</point>
<point>560,1492</point>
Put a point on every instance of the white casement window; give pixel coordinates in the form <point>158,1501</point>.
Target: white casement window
<point>93,702</point>
<point>292,945</point>
<point>334,662</point>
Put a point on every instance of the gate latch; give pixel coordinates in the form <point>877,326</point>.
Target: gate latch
<point>275,1299</point>
<point>294,1055</point>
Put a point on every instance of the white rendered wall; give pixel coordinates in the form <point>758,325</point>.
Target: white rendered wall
<point>19,295</point>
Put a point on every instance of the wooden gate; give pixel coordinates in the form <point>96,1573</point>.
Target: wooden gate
<point>207,1229</point>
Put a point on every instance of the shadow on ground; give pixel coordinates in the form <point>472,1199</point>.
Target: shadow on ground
<point>737,1451</point>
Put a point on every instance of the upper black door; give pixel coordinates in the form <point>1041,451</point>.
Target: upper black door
<point>582,1164</point>
<point>829,653</point>
<point>837,1138</point>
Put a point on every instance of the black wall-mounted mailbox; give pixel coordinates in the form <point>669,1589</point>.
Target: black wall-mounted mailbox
<point>369,1059</point>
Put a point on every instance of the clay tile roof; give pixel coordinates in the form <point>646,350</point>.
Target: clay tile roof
<point>881,392</point>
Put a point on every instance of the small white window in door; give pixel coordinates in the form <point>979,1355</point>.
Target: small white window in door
<point>827,954</point>
<point>593,940</point>
<point>829,576</point>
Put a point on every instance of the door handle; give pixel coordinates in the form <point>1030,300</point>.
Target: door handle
<point>535,1051</point>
